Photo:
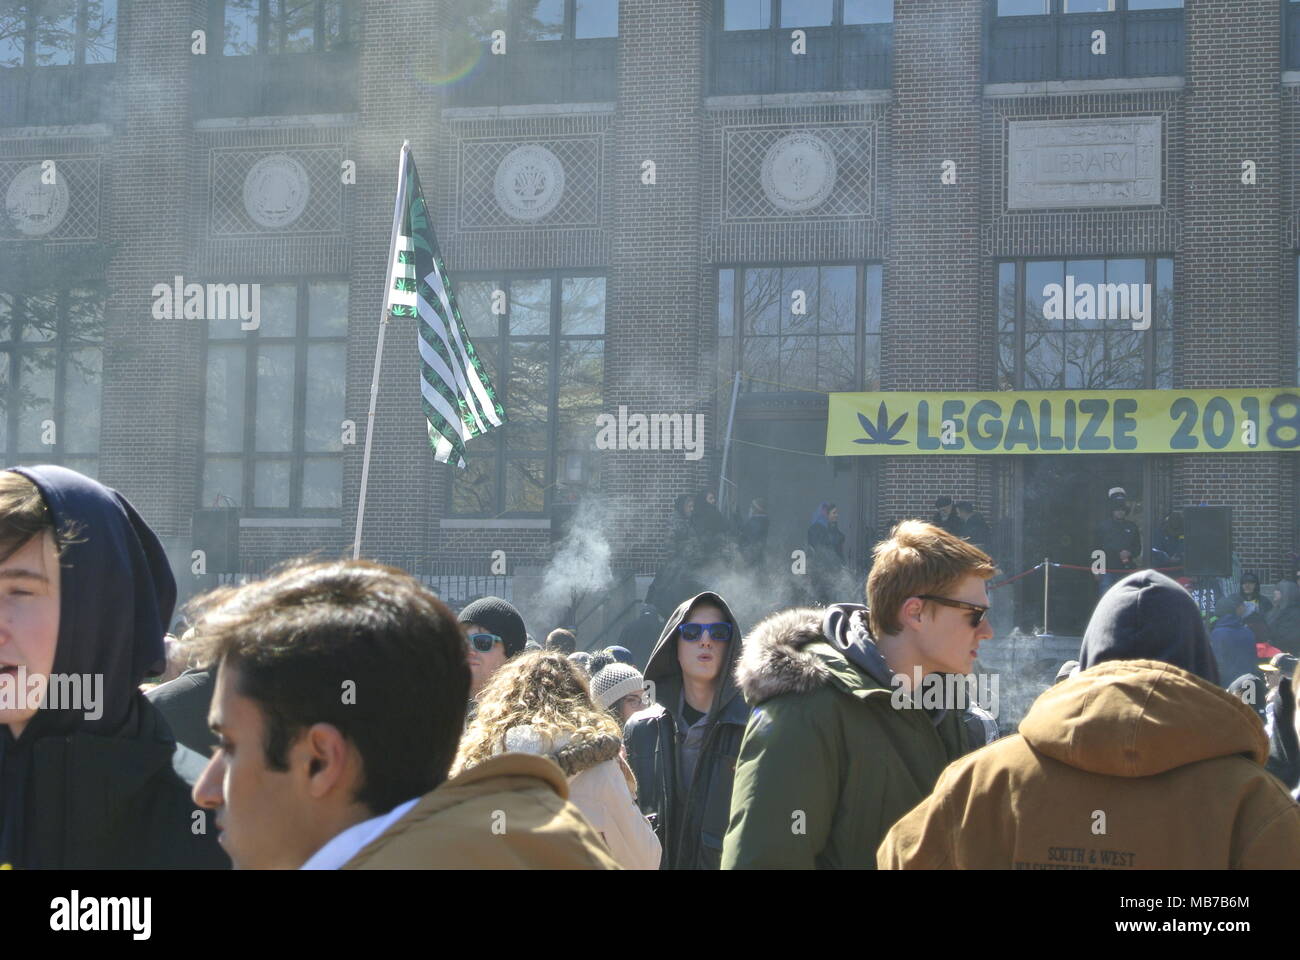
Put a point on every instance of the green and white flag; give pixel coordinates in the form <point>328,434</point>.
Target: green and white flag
<point>456,391</point>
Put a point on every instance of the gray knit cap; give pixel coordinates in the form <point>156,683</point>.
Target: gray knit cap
<point>615,682</point>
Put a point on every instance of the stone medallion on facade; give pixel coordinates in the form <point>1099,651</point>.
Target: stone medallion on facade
<point>36,208</point>
<point>276,191</point>
<point>798,172</point>
<point>529,182</point>
<point>1094,162</point>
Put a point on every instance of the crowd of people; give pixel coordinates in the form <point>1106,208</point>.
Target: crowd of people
<point>351,720</point>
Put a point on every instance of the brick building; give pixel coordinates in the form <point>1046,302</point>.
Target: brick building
<point>644,181</point>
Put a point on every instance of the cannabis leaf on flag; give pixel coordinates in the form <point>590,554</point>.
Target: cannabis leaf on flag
<point>456,391</point>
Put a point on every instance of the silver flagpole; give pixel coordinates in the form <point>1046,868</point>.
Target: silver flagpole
<point>379,347</point>
<point>726,446</point>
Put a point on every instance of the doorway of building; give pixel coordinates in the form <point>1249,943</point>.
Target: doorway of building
<point>778,455</point>
<point>1063,507</point>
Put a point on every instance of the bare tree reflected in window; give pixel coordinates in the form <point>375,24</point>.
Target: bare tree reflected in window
<point>56,32</point>
<point>1085,352</point>
<point>100,38</point>
<point>51,350</point>
<point>297,25</point>
<point>547,355</point>
<point>51,33</point>
<point>541,19</point>
<point>13,33</point>
<point>814,350</point>
<point>1044,360</point>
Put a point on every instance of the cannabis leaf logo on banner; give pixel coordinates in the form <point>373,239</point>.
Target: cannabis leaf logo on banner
<point>882,431</point>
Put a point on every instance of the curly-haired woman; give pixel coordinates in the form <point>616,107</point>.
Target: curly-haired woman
<point>541,703</point>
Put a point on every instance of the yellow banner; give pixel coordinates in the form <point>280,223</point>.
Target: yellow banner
<point>1063,421</point>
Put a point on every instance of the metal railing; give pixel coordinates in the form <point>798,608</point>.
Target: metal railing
<point>856,57</point>
<point>275,84</point>
<point>55,95</point>
<point>557,71</point>
<point>1139,43</point>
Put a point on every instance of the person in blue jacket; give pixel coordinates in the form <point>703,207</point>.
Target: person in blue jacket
<point>1232,641</point>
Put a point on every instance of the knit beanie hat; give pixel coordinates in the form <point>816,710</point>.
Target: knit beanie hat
<point>501,618</point>
<point>615,682</point>
<point>1226,606</point>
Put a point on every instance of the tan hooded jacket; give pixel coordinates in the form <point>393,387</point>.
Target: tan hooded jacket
<point>509,812</point>
<point>1132,764</point>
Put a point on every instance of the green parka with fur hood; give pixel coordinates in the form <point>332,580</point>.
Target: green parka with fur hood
<point>828,763</point>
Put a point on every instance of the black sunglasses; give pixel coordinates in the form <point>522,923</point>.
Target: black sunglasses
<point>977,613</point>
<point>720,632</point>
<point>482,642</point>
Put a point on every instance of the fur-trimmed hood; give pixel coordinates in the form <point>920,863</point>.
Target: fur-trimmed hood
<point>777,658</point>
<point>572,756</point>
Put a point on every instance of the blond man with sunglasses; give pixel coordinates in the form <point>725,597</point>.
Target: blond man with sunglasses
<point>833,755</point>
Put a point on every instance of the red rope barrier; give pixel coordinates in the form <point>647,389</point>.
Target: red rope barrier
<point>1071,566</point>
<point>1016,577</point>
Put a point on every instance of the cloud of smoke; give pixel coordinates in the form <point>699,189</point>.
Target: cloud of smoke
<point>579,568</point>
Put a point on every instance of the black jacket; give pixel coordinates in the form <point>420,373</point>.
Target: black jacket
<point>1147,616</point>
<point>1118,535</point>
<point>640,635</point>
<point>976,530</point>
<point>103,784</point>
<point>185,702</point>
<point>690,827</point>
<point>953,524</point>
<point>125,802</point>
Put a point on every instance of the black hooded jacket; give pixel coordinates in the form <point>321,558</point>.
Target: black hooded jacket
<point>83,791</point>
<point>690,823</point>
<point>1147,616</point>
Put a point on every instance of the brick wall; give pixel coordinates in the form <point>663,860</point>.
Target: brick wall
<point>1233,256</point>
<point>655,360</point>
<point>934,332</point>
<point>1234,248</point>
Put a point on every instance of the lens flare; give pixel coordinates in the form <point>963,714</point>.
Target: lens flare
<point>462,62</point>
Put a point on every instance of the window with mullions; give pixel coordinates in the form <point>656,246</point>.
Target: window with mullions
<point>1068,324</point>
<point>56,60</point>
<point>51,363</point>
<point>800,328</point>
<point>555,51</point>
<point>287,26</point>
<point>1032,40</point>
<point>46,33</point>
<point>847,45</point>
<point>544,347</point>
<point>274,404</point>
<point>277,57</point>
